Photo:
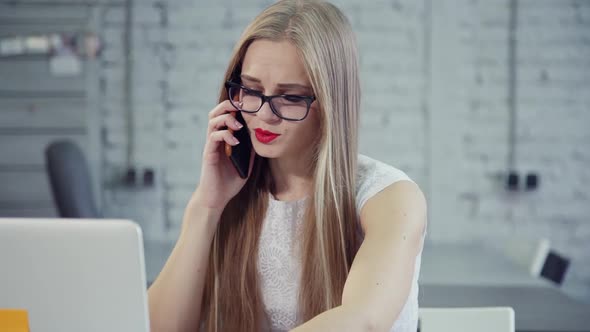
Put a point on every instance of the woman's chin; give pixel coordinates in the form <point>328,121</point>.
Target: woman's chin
<point>266,151</point>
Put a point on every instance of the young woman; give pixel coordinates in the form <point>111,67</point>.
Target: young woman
<point>318,237</point>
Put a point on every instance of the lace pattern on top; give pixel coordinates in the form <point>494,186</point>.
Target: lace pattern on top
<point>279,260</point>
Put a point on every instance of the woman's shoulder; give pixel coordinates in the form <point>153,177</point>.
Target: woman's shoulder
<point>373,176</point>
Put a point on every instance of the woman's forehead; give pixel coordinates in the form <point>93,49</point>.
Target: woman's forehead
<point>274,62</point>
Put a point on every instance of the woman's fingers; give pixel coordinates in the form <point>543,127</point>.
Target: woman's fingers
<point>218,137</point>
<point>227,120</point>
<point>220,129</point>
<point>223,107</point>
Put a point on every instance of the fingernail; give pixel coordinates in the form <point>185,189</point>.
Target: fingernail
<point>239,124</point>
<point>236,141</point>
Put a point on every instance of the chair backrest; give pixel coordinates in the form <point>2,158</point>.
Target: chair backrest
<point>529,253</point>
<point>69,179</point>
<point>484,319</point>
<point>538,257</point>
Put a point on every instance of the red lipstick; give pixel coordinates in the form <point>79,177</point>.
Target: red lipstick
<point>264,136</point>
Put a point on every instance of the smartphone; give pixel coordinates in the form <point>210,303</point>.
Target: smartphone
<point>240,154</point>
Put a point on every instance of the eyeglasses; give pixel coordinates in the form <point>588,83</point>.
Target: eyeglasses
<point>287,107</point>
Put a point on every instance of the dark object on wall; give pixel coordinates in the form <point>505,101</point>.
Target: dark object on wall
<point>69,178</point>
<point>148,177</point>
<point>532,181</point>
<point>555,267</point>
<point>130,177</point>
<point>512,181</point>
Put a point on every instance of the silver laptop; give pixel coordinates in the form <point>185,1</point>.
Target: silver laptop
<point>74,275</point>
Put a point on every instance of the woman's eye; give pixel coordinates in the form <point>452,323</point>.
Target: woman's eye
<point>292,99</point>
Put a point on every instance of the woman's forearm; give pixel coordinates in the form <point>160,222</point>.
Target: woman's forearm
<point>340,318</point>
<point>175,296</point>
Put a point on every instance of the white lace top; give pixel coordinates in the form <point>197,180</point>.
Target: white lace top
<point>278,258</point>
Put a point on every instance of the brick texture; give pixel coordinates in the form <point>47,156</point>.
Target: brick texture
<point>435,104</point>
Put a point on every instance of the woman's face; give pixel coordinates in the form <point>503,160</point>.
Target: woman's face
<point>274,68</point>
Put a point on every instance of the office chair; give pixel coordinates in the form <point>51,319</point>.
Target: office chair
<point>538,257</point>
<point>70,180</point>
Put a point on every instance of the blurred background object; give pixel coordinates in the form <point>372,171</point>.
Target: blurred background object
<point>484,103</point>
<point>70,178</point>
<point>466,319</point>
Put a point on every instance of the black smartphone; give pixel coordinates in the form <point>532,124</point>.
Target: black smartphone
<point>240,154</point>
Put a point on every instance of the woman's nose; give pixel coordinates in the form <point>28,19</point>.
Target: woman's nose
<point>266,114</point>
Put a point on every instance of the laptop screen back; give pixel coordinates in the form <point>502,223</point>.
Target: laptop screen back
<point>74,274</point>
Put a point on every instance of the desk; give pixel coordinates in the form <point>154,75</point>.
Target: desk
<point>448,264</point>
<point>538,309</point>
<point>452,264</point>
<point>466,275</point>
<point>474,276</point>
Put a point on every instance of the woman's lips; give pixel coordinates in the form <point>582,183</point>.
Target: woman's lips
<point>264,136</point>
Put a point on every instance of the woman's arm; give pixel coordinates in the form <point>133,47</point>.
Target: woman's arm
<point>175,296</point>
<point>380,278</point>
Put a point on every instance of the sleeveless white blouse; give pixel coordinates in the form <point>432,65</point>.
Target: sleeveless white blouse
<point>279,264</point>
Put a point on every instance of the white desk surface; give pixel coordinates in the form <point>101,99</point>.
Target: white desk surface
<point>475,276</point>
<point>538,309</point>
<point>447,264</point>
<point>469,275</point>
<point>450,264</point>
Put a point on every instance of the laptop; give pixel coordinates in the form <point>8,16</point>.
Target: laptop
<point>73,275</point>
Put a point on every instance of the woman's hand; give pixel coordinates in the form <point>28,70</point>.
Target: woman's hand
<point>220,180</point>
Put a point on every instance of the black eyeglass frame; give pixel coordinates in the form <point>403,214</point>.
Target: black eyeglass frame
<point>308,100</point>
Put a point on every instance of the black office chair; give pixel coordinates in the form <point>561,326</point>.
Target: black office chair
<point>70,180</point>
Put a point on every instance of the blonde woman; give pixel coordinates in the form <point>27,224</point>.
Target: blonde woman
<point>317,237</point>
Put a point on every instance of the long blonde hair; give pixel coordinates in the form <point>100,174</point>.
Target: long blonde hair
<point>232,300</point>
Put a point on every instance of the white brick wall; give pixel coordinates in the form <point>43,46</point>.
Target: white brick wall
<point>435,88</point>
<point>469,111</point>
<point>554,113</point>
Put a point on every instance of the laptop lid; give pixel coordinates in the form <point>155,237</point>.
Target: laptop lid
<point>74,274</point>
